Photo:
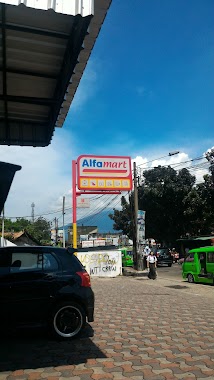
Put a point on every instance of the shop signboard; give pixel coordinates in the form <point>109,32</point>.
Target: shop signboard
<point>83,202</point>
<point>104,173</point>
<point>87,243</point>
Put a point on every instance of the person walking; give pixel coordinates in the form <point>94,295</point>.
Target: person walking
<point>151,265</point>
<point>146,253</point>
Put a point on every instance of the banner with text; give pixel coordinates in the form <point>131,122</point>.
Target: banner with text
<point>102,263</point>
<point>141,226</point>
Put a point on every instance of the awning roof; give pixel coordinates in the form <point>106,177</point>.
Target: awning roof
<point>197,238</point>
<point>41,63</point>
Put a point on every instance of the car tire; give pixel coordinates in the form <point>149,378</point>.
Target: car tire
<point>190,278</point>
<point>67,320</point>
<point>169,265</point>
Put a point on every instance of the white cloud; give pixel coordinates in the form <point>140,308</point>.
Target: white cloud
<point>44,178</point>
<point>46,175</point>
<point>178,161</point>
<point>171,160</point>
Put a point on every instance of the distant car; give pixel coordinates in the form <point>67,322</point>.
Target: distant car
<point>127,257</point>
<point>164,257</point>
<point>45,285</point>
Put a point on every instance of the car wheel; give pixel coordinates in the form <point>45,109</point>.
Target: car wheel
<point>169,265</point>
<point>67,320</point>
<point>190,278</point>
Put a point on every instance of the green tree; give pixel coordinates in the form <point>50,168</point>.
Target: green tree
<point>162,196</point>
<point>40,230</point>
<point>123,219</point>
<point>15,226</point>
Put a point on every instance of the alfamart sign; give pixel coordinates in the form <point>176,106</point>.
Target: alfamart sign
<point>104,173</point>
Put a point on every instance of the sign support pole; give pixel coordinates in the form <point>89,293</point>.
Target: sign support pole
<point>135,240</point>
<point>74,201</point>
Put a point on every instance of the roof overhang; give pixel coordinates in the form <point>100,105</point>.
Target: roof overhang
<point>6,178</point>
<point>43,54</point>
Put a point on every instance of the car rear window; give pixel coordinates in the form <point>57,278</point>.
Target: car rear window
<point>76,264</point>
<point>33,261</point>
<point>69,261</point>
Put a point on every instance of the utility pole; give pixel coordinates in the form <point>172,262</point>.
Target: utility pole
<point>56,231</point>
<point>63,220</point>
<point>2,233</point>
<point>32,212</point>
<point>135,239</point>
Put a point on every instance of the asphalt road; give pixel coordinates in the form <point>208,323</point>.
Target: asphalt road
<point>175,272</point>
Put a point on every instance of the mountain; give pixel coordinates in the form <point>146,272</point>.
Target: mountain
<point>101,220</point>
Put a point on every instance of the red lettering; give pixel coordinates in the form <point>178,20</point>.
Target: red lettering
<point>107,164</point>
<point>115,164</point>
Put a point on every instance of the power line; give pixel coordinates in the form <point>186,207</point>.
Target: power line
<point>176,163</point>
<point>98,206</point>
<point>46,213</point>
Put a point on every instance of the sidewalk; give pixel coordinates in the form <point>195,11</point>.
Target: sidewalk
<point>143,330</point>
<point>129,271</point>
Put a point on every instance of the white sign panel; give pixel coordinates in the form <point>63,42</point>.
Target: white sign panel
<point>87,243</point>
<point>83,202</point>
<point>104,173</point>
<point>102,263</point>
<point>141,226</point>
<point>99,243</point>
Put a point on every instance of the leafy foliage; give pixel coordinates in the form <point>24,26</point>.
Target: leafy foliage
<point>174,205</point>
<point>39,230</point>
<point>123,219</point>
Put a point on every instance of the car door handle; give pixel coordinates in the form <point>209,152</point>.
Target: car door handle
<point>49,277</point>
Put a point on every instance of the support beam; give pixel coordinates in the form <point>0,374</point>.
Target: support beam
<point>4,72</point>
<point>29,100</point>
<point>79,30</point>
<point>30,73</point>
<point>41,32</point>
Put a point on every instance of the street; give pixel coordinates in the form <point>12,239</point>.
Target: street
<point>143,330</point>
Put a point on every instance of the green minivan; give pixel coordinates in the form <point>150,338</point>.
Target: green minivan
<point>127,257</point>
<point>199,265</point>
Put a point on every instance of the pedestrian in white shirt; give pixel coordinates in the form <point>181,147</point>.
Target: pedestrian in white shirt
<point>152,264</point>
<point>146,253</point>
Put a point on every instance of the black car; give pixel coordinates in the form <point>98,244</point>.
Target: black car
<point>164,257</point>
<point>45,285</point>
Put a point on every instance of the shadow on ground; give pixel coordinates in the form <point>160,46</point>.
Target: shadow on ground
<point>32,348</point>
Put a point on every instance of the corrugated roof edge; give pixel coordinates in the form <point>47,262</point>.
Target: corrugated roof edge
<point>94,30</point>
<point>73,8</point>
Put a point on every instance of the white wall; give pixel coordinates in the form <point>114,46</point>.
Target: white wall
<point>102,263</point>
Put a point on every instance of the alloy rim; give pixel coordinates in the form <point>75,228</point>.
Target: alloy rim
<point>68,321</point>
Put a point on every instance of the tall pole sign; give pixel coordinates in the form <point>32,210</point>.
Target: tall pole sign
<point>104,173</point>
<point>97,175</point>
<point>74,202</point>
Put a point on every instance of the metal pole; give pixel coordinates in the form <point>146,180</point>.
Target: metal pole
<point>56,230</point>
<point>74,203</point>
<point>2,234</point>
<point>63,220</point>
<point>136,263</point>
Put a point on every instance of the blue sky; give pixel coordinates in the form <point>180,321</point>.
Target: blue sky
<point>147,90</point>
<point>152,79</point>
